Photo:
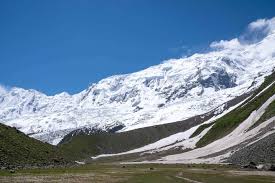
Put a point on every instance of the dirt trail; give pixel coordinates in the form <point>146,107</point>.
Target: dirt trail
<point>180,176</point>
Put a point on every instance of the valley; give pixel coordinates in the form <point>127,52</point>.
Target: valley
<point>153,173</point>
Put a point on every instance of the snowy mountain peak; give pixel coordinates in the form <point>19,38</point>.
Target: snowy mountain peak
<point>174,90</point>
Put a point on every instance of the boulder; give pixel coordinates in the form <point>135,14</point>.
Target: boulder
<point>250,165</point>
<point>266,167</point>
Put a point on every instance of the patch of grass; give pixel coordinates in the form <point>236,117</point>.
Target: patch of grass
<point>200,129</point>
<point>155,177</point>
<point>230,121</point>
<point>269,113</point>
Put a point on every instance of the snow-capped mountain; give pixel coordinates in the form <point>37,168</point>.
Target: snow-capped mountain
<point>251,140</point>
<point>174,90</point>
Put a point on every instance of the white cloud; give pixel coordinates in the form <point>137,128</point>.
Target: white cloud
<point>258,24</point>
<point>224,44</point>
<point>267,25</point>
<point>256,32</point>
<point>3,89</point>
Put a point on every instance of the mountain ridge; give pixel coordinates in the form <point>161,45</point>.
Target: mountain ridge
<point>175,90</point>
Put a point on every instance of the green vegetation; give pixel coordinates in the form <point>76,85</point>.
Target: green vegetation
<point>269,113</point>
<point>230,121</point>
<point>16,148</point>
<point>200,129</point>
<point>153,173</point>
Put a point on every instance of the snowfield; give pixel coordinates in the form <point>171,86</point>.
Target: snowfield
<point>175,90</point>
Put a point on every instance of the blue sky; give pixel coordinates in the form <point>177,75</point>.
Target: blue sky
<point>55,45</point>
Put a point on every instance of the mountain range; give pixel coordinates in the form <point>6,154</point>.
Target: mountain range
<point>200,101</point>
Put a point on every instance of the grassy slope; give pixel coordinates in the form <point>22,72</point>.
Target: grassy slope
<point>230,121</point>
<point>17,148</point>
<point>200,129</point>
<point>269,113</point>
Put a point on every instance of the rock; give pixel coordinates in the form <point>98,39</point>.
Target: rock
<point>266,167</point>
<point>250,165</point>
<point>260,167</point>
<point>272,168</point>
<point>12,171</point>
<point>260,152</point>
<point>161,105</point>
<point>151,168</point>
<point>56,160</point>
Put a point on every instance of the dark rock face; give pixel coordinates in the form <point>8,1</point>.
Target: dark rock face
<point>161,105</point>
<point>218,80</point>
<point>137,109</point>
<point>115,128</point>
<point>84,131</point>
<point>96,130</point>
<point>125,96</point>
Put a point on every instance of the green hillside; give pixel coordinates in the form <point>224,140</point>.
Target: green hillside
<point>17,149</point>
